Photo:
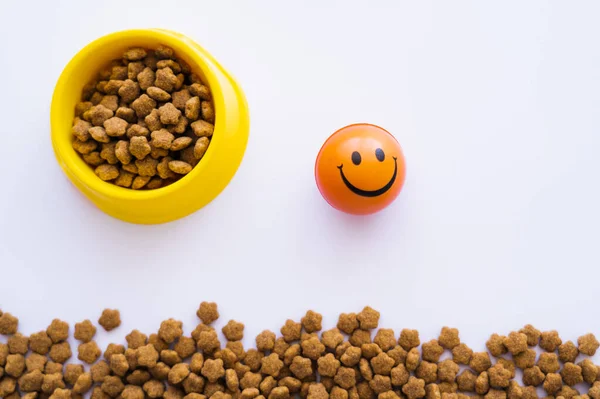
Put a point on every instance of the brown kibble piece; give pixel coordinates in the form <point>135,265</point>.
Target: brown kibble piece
<point>197,89</point>
<point>399,375</point>
<point>112,386</point>
<point>99,371</point>
<point>40,342</point>
<point>132,392</point>
<point>368,318</point>
<point>169,115</point>
<point>427,372</point>
<point>548,362</point>
<point>385,339</point>
<point>165,79</point>
<point>589,371</point>
<point>108,153</point>
<point>110,319</point>
<point>414,388</point>
<point>52,382</point>
<point>516,343</point>
<point>301,367</point>
<point>588,344</point>
<point>58,331</point>
<point>432,391</point>
<point>360,337</point>
<point>480,362</point>
<point>271,365</point>
<point>179,372</point>
<point>461,354</point>
<point>208,312</point>
<point>208,114</point>
<point>139,147</point>
<point>143,105</point>
<point>499,376</point>
<point>380,384</point>
<point>328,365</point>
<point>60,393</point>
<point>552,383</point>
<point>139,182</point>
<point>533,376</point>
<point>146,78</point>
<point>347,322</point>
<point>432,351</point>
<point>60,352</point>
<point>154,389</point>
<point>119,364</point>
<point>200,147</point>
<point>250,380</point>
<point>568,352</point>
<point>107,172</point>
<point>162,139</point>
<point>532,333</point>
<point>83,383</point>
<point>382,364</point>
<point>84,148</point>
<point>447,370</point>
<point>550,341</point>
<point>7,386</point>
<point>112,101</point>
<point>88,352</point>
<point>15,365</point>
<point>279,393</point>
<point>351,356</point>
<point>413,359</point>
<point>98,114</point>
<point>129,91</point>
<point>482,383</point>
<point>208,341</point>
<point>496,345</point>
<point>115,127</point>
<point>180,143</point>
<point>525,359</point>
<point>93,158</point>
<point>31,382</point>
<point>169,357</point>
<point>312,348</point>
<point>147,356</point>
<point>345,377</point>
<point>99,134</point>
<point>291,331</point>
<point>448,338</point>
<point>137,130</point>
<point>80,129</point>
<point>127,114</point>
<point>192,108</point>
<point>125,179</point>
<point>18,343</point>
<point>409,339</point>
<point>311,322</point>
<point>571,374</point>
<point>35,361</point>
<point>85,331</point>
<point>213,369</point>
<point>364,367</point>
<point>466,381</point>
<point>204,129</point>
<point>265,341</point>
<point>180,99</point>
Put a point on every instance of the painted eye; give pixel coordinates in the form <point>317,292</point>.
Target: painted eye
<point>356,158</point>
<point>380,154</point>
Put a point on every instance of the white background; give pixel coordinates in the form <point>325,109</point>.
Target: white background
<point>495,103</point>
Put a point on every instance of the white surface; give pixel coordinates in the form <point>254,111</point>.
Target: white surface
<point>496,105</point>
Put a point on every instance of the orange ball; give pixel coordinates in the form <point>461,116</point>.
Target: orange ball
<point>360,169</point>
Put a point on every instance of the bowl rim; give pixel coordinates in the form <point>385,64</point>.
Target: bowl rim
<point>71,160</point>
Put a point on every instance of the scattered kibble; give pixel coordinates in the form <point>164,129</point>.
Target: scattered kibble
<point>146,105</point>
<point>167,364</point>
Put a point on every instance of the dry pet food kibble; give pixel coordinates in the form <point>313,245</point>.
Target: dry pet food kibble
<point>147,106</point>
<point>362,364</point>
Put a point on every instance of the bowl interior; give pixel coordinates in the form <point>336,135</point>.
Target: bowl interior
<point>83,69</point>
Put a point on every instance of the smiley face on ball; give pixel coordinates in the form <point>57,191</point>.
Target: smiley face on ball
<point>360,169</point>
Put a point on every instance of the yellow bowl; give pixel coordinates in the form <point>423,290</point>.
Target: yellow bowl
<point>197,188</point>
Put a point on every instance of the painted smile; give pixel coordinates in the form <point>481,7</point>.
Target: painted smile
<point>369,193</point>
